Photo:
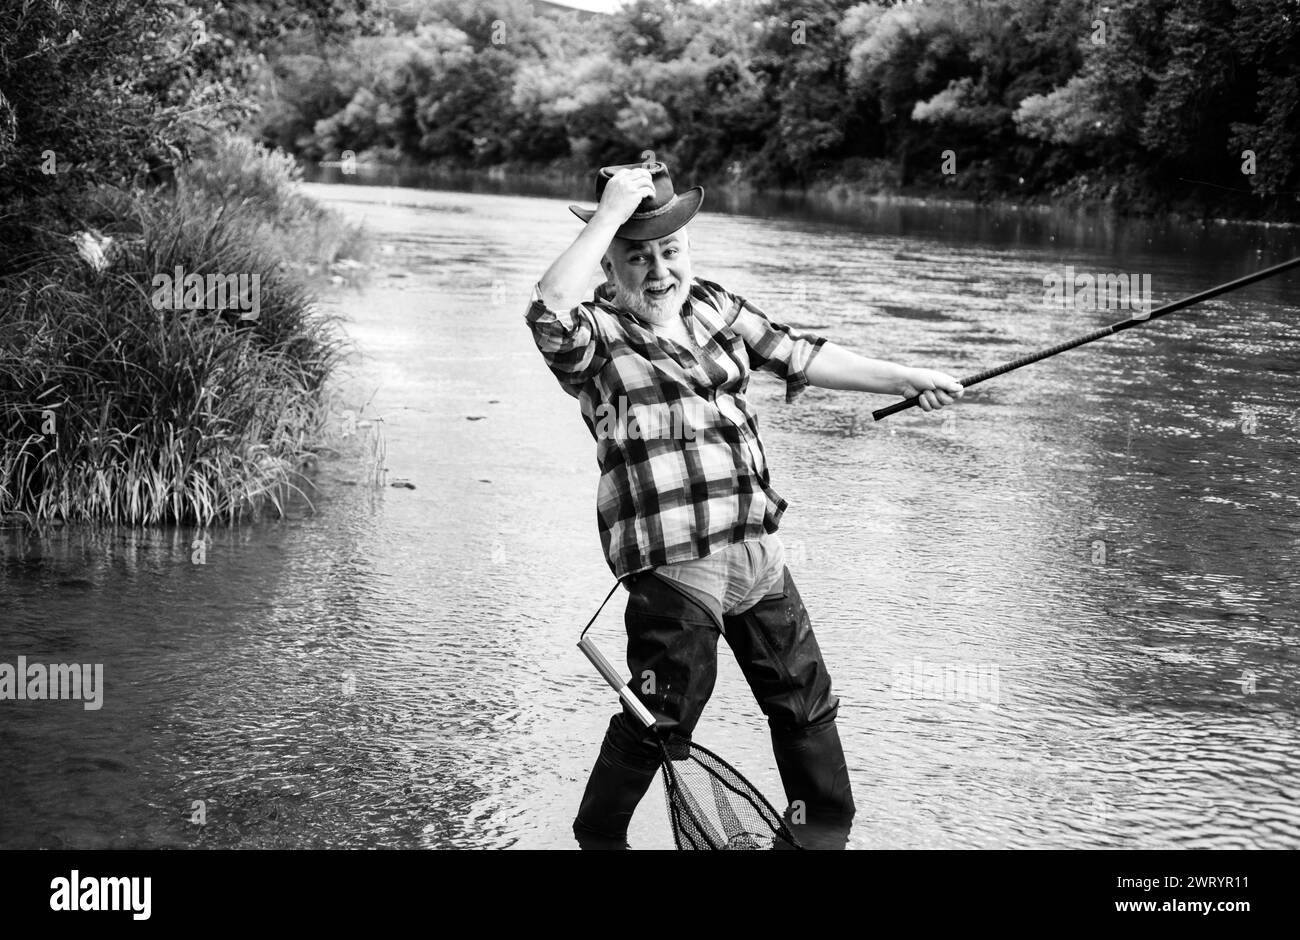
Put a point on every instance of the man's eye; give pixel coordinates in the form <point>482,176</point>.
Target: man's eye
<point>670,252</point>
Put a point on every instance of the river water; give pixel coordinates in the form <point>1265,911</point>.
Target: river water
<point>1063,613</point>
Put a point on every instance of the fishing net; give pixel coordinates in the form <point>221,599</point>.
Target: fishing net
<point>711,806</point>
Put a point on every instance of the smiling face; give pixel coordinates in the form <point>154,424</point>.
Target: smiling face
<point>650,278</point>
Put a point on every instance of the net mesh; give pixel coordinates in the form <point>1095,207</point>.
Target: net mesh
<point>711,806</point>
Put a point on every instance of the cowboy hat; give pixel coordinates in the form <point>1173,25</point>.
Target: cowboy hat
<point>658,215</point>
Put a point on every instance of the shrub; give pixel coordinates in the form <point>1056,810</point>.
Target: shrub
<point>113,410</point>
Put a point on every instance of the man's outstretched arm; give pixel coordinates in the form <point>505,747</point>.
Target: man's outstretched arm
<point>836,367</point>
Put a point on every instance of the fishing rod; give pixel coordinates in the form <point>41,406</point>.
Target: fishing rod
<point>1098,334</point>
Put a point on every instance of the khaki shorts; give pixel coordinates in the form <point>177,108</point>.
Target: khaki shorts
<point>734,578</point>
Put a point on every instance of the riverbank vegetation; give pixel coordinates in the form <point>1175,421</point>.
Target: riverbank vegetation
<point>162,355</point>
<point>1142,105</point>
<point>147,139</point>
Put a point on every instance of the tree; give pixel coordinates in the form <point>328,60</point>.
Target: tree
<point>1267,35</point>
<point>117,92</point>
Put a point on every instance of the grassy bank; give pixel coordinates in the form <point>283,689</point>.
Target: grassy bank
<point>169,362</point>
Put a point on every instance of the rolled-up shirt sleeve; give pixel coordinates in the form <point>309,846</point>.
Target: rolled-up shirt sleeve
<point>568,341</point>
<point>775,347</point>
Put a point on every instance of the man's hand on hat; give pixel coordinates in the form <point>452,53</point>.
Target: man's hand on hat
<point>624,192</point>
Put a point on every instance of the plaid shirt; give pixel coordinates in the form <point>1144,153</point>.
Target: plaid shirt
<point>698,484</point>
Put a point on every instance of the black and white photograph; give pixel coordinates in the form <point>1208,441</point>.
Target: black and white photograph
<point>523,428</point>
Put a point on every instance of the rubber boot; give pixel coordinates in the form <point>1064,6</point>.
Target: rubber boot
<point>672,635</point>
<point>813,771</point>
<point>613,791</point>
<point>817,835</point>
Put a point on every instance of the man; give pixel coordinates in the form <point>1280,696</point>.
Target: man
<point>688,518</point>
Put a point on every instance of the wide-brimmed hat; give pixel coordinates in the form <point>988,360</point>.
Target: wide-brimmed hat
<point>658,215</point>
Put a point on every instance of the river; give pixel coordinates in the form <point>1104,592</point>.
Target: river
<point>1063,613</point>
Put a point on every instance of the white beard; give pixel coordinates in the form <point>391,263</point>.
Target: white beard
<point>656,311</point>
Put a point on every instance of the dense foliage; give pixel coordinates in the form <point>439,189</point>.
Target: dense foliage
<point>112,409</point>
<point>120,159</point>
<point>1143,103</point>
<point>119,164</point>
<point>120,92</point>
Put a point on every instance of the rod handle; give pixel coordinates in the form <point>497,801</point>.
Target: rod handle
<point>616,682</point>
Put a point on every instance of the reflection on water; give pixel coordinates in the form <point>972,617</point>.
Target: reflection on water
<point>1108,539</point>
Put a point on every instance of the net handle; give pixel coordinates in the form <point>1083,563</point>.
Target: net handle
<point>616,681</point>
<point>607,670</point>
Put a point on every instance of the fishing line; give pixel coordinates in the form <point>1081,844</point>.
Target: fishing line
<point>1234,189</point>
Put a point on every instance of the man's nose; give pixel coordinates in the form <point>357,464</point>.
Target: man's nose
<point>659,270</point>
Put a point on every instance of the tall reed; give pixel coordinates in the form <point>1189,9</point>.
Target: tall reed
<point>114,410</point>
